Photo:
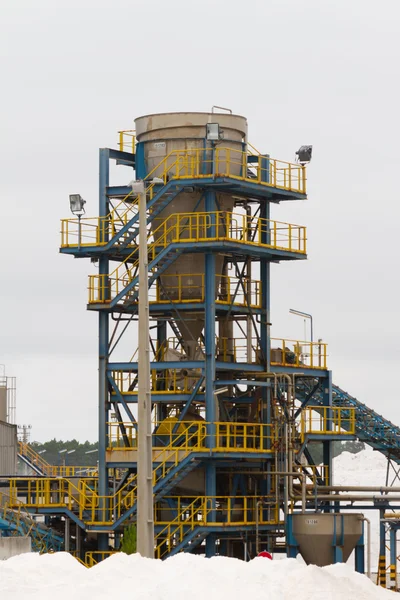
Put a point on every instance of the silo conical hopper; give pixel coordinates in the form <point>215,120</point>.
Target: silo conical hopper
<point>166,133</point>
<point>315,534</point>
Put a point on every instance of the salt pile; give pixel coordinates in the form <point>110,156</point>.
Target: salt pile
<point>182,577</point>
<point>366,468</point>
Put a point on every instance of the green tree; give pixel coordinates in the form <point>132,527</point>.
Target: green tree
<point>128,541</point>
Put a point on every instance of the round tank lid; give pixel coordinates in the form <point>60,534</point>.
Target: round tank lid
<point>191,112</point>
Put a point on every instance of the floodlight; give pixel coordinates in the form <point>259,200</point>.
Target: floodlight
<point>212,132</point>
<point>304,154</point>
<point>77,204</point>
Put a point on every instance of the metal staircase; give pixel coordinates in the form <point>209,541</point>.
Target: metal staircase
<point>34,460</point>
<point>18,522</point>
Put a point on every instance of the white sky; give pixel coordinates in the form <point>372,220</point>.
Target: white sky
<point>318,72</point>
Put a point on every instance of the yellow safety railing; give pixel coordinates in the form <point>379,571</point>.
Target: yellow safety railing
<point>286,353</point>
<point>190,287</point>
<point>327,420</point>
<point>35,458</point>
<point>75,555</point>
<point>82,497</point>
<point>195,163</point>
<point>189,435</point>
<point>53,470</point>
<point>294,353</point>
<point>127,140</point>
<point>193,436</point>
<point>214,510</point>
<point>97,231</point>
<point>202,163</point>
<point>199,227</point>
<point>92,558</point>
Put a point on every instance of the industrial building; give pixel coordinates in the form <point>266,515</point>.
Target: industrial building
<point>237,412</point>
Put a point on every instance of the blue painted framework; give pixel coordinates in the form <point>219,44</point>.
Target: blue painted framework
<point>316,388</point>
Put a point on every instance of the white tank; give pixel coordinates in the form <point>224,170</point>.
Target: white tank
<point>170,132</point>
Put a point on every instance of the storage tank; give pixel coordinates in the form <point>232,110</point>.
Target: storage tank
<point>163,136</point>
<point>317,533</point>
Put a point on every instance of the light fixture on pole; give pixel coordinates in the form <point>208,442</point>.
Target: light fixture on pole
<point>145,509</point>
<point>70,452</point>
<point>306,316</point>
<point>63,451</point>
<point>304,154</point>
<point>77,206</point>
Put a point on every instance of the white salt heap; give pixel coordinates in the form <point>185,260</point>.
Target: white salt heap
<point>182,577</point>
<point>366,468</point>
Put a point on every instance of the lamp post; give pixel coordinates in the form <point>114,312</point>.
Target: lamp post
<point>306,316</point>
<point>63,451</point>
<point>145,510</point>
<point>77,205</point>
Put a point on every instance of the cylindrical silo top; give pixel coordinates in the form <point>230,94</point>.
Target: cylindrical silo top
<point>181,125</point>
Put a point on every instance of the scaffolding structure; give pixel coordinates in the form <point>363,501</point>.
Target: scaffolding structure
<point>243,422</point>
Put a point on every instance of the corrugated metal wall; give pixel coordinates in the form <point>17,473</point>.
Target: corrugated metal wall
<point>8,449</point>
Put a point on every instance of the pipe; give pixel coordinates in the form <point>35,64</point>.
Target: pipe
<point>259,503</point>
<point>353,498</point>
<point>368,522</point>
<point>358,488</point>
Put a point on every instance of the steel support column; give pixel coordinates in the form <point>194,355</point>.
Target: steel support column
<point>265,342</point>
<point>210,399</point>
<point>104,176</point>
<point>360,554</point>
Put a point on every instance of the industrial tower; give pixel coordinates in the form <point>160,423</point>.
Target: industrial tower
<point>233,425</point>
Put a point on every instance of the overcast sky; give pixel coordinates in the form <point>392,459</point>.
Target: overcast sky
<point>318,72</point>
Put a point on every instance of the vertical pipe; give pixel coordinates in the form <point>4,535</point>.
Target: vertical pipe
<point>249,322</point>
<point>210,398</point>
<point>103,350</point>
<point>393,559</point>
<point>382,550</point>
<point>78,540</point>
<point>67,534</point>
<point>145,508</point>
<point>328,445</point>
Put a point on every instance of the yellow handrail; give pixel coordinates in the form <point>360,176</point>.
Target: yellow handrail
<point>197,163</point>
<point>83,499</point>
<point>127,140</point>
<point>223,511</point>
<point>200,227</point>
<point>327,420</point>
